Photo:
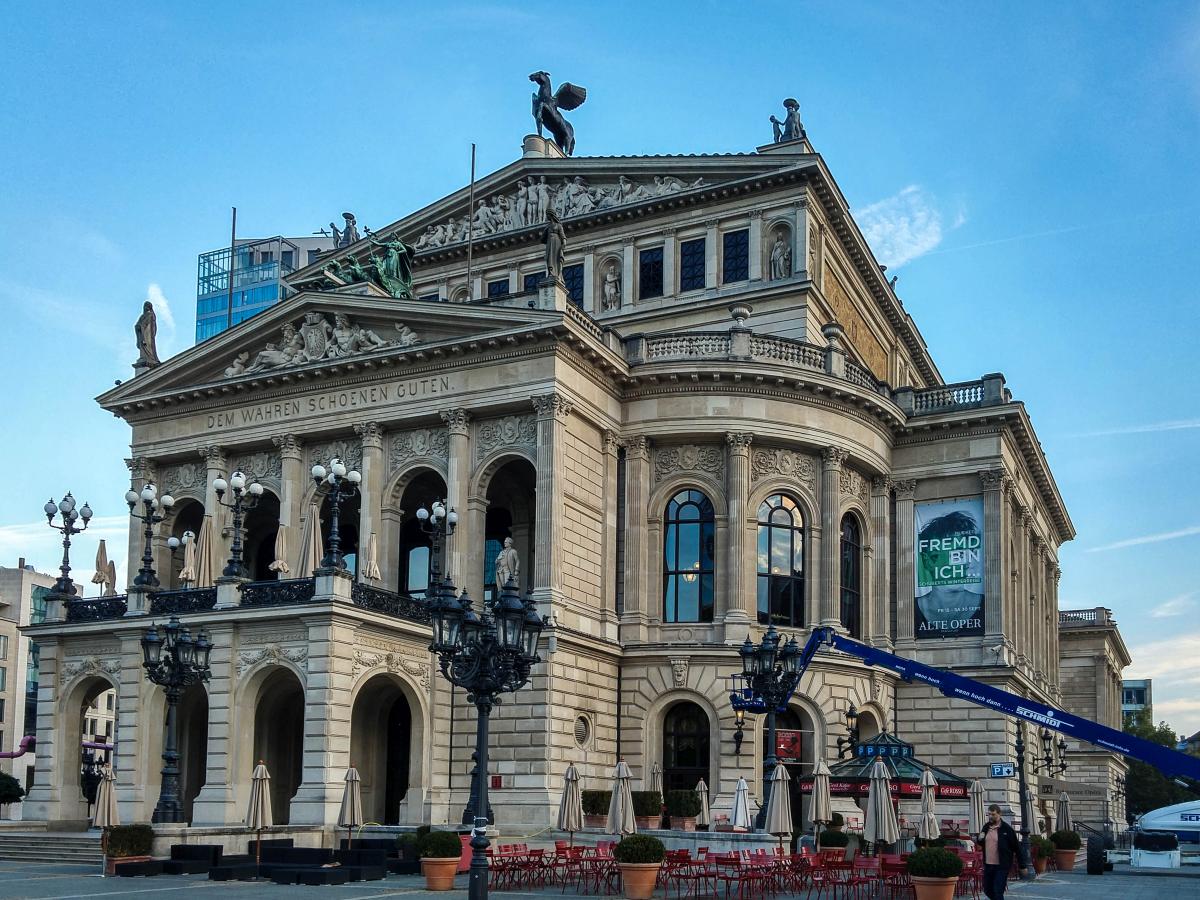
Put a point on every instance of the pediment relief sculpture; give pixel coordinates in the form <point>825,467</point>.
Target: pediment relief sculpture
<point>317,339</point>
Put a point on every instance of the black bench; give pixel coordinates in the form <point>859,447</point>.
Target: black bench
<point>310,875</point>
<point>230,870</point>
<point>293,858</point>
<point>396,863</point>
<point>363,865</point>
<point>135,869</point>
<point>192,859</point>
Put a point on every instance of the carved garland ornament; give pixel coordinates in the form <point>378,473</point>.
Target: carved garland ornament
<point>854,485</point>
<point>420,442</point>
<point>92,665</point>
<point>394,662</point>
<point>260,466</point>
<point>709,460</point>
<point>788,463</point>
<point>182,479</point>
<point>349,452</point>
<point>247,659</point>
<point>510,431</point>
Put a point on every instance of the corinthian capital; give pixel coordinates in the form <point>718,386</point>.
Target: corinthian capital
<point>993,479</point>
<point>739,442</point>
<point>834,457</point>
<point>552,406</point>
<point>457,420</point>
<point>611,441</point>
<point>881,485</point>
<point>906,488</point>
<point>288,444</point>
<point>637,447</point>
<point>214,457</point>
<point>141,468</point>
<point>371,434</point>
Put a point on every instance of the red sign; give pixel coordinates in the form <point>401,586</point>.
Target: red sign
<point>899,789</point>
<point>787,745</point>
<point>497,782</point>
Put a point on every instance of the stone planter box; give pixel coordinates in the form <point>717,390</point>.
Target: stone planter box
<point>683,823</point>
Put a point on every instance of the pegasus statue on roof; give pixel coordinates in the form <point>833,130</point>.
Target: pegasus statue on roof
<point>547,106</point>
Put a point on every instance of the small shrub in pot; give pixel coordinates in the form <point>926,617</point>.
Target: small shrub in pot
<point>639,858</point>
<point>683,807</point>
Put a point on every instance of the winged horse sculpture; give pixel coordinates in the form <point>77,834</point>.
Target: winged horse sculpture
<point>547,106</point>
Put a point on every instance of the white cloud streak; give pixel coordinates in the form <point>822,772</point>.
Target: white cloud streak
<point>1147,539</point>
<point>41,548</point>
<point>1176,606</point>
<point>1150,428</point>
<point>903,227</point>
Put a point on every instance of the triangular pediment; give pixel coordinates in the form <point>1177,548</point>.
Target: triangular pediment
<point>311,334</point>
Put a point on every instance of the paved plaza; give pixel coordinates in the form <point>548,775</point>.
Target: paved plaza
<point>52,881</point>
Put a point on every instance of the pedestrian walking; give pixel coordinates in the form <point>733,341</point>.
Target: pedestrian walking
<point>1000,844</point>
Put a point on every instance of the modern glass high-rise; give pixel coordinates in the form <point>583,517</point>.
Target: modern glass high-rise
<point>259,266</point>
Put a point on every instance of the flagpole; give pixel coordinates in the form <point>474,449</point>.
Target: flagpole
<point>471,227</point>
<point>232,259</point>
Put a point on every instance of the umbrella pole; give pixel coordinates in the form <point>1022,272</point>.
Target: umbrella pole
<point>257,852</point>
<point>104,851</point>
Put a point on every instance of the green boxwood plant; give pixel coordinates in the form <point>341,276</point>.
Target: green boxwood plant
<point>683,803</point>
<point>934,862</point>
<point>1042,848</point>
<point>595,803</point>
<point>441,845</point>
<point>1066,840</point>
<point>835,839</point>
<point>647,803</point>
<point>640,848</point>
<point>130,840</point>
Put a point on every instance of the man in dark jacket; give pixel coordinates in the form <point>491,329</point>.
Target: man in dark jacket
<point>1000,845</point>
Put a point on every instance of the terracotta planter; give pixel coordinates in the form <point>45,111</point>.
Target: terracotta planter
<point>645,822</point>
<point>439,873</point>
<point>590,821</point>
<point>110,862</point>
<point>933,888</point>
<point>638,879</point>
<point>1040,863</point>
<point>1065,859</point>
<point>683,823</point>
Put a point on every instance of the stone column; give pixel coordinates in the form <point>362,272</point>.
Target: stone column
<point>215,466</point>
<point>590,301</point>
<point>553,411</point>
<point>755,241</point>
<point>670,252</point>
<point>992,483</point>
<point>141,471</point>
<point>830,583</point>
<point>608,546</point>
<point>370,501</point>
<point>1024,619</point>
<point>56,763</point>
<point>629,287</point>
<point>216,804</point>
<point>293,485</point>
<point>739,594</point>
<point>137,782</point>
<point>471,544</point>
<point>635,614</point>
<point>905,576</point>
<point>800,237</point>
<point>881,579</point>
<point>711,254</point>
<point>458,483</point>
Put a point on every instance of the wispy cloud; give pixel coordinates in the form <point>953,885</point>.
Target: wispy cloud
<point>1147,539</point>
<point>1174,664</point>
<point>904,226</point>
<point>1149,428</point>
<point>1176,606</point>
<point>42,548</point>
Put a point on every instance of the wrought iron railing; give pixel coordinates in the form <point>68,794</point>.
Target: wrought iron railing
<point>189,600</point>
<point>97,609</point>
<point>278,593</point>
<point>401,606</point>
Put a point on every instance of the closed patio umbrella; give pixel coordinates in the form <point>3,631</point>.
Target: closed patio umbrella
<point>705,817</point>
<point>107,815</point>
<point>881,825</point>
<point>350,816</point>
<point>928,829</point>
<point>740,814</point>
<point>1062,816</point>
<point>779,804</point>
<point>620,809</point>
<point>258,814</point>
<point>570,807</point>
<point>371,560</point>
<point>1028,812</point>
<point>310,543</point>
<point>821,810</point>
<point>975,813</point>
<point>103,576</point>
<point>279,564</point>
<point>655,778</point>
<point>204,554</point>
<point>188,573</point>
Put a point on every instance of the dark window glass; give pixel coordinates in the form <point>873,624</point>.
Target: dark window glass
<point>532,279</point>
<point>689,552</point>
<point>573,278</point>
<point>650,273</point>
<point>780,562</point>
<point>691,265</point>
<point>736,256</point>
<point>851,576</point>
<point>497,288</point>
<point>288,258</point>
<point>312,256</point>
<point>433,297</point>
<point>685,747</point>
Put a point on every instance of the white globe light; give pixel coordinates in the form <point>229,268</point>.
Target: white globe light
<point>154,490</point>
<point>189,536</point>
<point>67,504</point>
<point>148,492</point>
<point>318,472</point>
<point>423,514</point>
<point>220,485</point>
<point>331,478</point>
<point>50,508</point>
<point>256,489</point>
<point>131,497</point>
<point>452,518</point>
<point>173,542</point>
<point>237,481</point>
<point>86,512</point>
<point>338,469</point>
<point>167,501</point>
<point>353,477</point>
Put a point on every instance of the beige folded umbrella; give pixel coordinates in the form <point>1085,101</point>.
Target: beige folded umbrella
<point>570,808</point>
<point>310,543</point>
<point>881,825</point>
<point>740,815</point>
<point>188,573</point>
<point>205,556</point>
<point>975,812</point>
<point>705,817</point>
<point>655,778</point>
<point>279,564</point>
<point>620,808</point>
<point>101,576</point>
<point>258,814</point>
<point>370,564</point>
<point>350,816</point>
<point>821,808</point>
<point>928,829</point>
<point>107,815</point>
<point>779,804</point>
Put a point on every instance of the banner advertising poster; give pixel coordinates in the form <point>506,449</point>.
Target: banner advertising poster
<point>949,567</point>
<point>788,744</point>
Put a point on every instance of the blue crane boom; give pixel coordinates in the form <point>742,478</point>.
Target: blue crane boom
<point>1166,760</point>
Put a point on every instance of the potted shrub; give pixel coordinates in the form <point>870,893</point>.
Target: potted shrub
<point>409,853</point>
<point>934,873</point>
<point>595,808</point>
<point>683,807</point>
<point>647,809</point>
<point>639,857</point>
<point>440,852</point>
<point>127,843</point>
<point>1041,848</point>
<point>1066,843</point>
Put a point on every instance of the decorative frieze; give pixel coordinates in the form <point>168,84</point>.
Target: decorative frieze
<point>854,485</point>
<point>183,479</point>
<point>349,452</point>
<point>393,661</point>
<point>247,659</point>
<point>766,462</point>
<point>510,431</point>
<point>91,665</point>
<point>259,466</point>
<point>690,458</point>
<point>273,635</point>
<point>419,442</point>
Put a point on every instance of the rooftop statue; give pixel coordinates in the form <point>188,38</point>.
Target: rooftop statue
<point>546,108</point>
<point>348,235</point>
<point>316,339</point>
<point>395,268</point>
<point>145,332</point>
<point>790,129</point>
<point>555,240</point>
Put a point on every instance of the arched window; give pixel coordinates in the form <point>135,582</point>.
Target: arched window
<point>852,576</point>
<point>689,548</point>
<point>780,561</point>
<point>685,747</point>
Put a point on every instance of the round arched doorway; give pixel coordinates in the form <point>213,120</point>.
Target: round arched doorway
<point>279,737</point>
<point>685,747</point>
<point>381,737</point>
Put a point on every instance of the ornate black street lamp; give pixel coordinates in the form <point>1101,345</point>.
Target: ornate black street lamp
<point>739,730</point>
<point>488,656</point>
<point>1051,763</point>
<point>438,522</point>
<point>174,660</point>
<point>245,498</point>
<point>1026,806</point>
<point>850,741</point>
<point>343,485</point>
<point>769,677</point>
<point>149,517</point>
<point>63,585</point>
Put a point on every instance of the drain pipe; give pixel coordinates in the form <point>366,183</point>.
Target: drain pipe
<point>619,699</point>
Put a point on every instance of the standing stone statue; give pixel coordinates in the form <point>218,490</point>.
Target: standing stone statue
<point>555,240</point>
<point>348,235</point>
<point>145,332</point>
<point>508,565</point>
<point>790,129</point>
<point>612,286</point>
<point>781,258</point>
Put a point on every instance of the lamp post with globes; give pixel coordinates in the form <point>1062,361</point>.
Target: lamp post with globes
<point>65,508</point>
<point>154,510</point>
<point>343,484</point>
<point>245,498</point>
<point>438,522</point>
<point>175,660</point>
<point>488,656</point>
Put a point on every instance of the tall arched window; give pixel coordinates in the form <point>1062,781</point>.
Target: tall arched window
<point>685,747</point>
<point>780,561</point>
<point>852,576</point>
<point>689,548</point>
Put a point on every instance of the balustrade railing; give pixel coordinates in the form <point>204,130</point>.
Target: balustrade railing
<point>278,593</point>
<point>379,600</point>
<point>188,600</point>
<point>97,609</point>
<point>690,345</point>
<point>951,396</point>
<point>795,353</point>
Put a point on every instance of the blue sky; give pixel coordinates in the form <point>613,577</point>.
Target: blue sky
<point>1029,170</point>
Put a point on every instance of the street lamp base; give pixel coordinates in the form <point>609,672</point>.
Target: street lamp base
<point>168,812</point>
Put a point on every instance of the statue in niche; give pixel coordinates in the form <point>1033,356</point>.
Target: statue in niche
<point>555,240</point>
<point>346,236</point>
<point>145,332</point>
<point>547,106</point>
<point>611,290</point>
<point>781,257</point>
<point>508,565</point>
<point>790,129</point>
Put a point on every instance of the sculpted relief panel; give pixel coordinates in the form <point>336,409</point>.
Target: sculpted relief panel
<point>855,485</point>
<point>316,340</point>
<point>183,480</point>
<point>348,451</point>
<point>509,431</point>
<point>707,459</point>
<point>419,442</point>
<point>767,461</point>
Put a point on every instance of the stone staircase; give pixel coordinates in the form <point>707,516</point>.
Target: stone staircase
<point>50,847</point>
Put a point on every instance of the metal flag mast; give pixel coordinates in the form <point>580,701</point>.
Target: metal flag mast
<point>471,226</point>
<point>229,292</point>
